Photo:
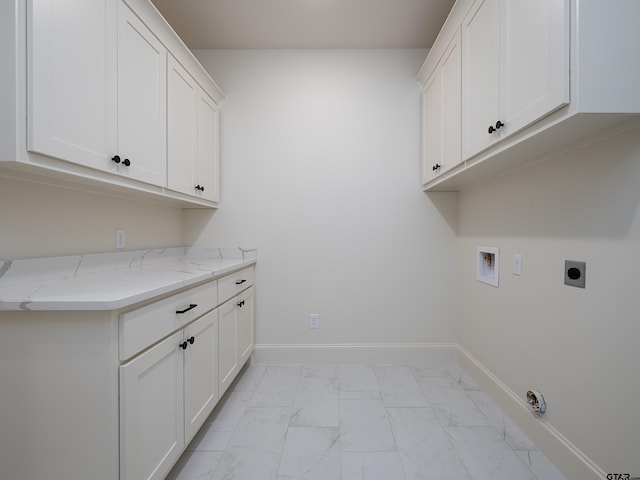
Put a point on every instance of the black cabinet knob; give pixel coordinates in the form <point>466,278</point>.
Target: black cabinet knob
<point>498,126</point>
<point>436,167</point>
<point>200,187</point>
<point>116,159</point>
<point>240,282</point>
<point>241,303</point>
<point>191,340</point>
<point>126,162</point>
<point>184,345</point>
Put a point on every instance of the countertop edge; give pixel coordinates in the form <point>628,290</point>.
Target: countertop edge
<point>124,302</point>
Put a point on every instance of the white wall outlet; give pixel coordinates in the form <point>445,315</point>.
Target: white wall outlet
<point>119,237</point>
<point>314,318</point>
<point>517,264</point>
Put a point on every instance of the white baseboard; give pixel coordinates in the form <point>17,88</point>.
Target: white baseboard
<point>402,353</point>
<point>572,462</point>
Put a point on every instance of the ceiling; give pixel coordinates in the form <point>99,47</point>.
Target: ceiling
<point>230,24</point>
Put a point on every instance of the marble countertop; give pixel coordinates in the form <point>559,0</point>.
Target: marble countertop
<point>112,281</point>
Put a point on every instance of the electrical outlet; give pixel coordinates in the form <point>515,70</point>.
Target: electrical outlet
<point>119,237</point>
<point>313,320</point>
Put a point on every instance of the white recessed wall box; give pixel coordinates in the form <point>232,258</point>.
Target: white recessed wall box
<point>488,267</point>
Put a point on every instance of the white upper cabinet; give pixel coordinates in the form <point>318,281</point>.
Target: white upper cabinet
<point>480,75</point>
<point>515,67</point>
<point>182,95</point>
<point>536,76</point>
<point>192,116</point>
<point>72,80</point>
<point>84,83</point>
<point>142,108</point>
<point>441,113</point>
<point>208,158</point>
<point>534,60</point>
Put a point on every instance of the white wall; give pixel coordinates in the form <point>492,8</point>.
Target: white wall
<point>578,347</point>
<point>39,221</point>
<point>320,171</point>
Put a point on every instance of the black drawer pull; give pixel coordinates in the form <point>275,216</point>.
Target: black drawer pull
<point>190,307</point>
<point>241,304</point>
<point>240,282</point>
<point>183,345</point>
<point>191,340</point>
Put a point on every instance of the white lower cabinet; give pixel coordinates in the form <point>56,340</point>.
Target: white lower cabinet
<point>228,345</point>
<point>200,372</point>
<point>151,411</point>
<point>118,395</point>
<point>236,340</point>
<point>169,386</point>
<point>246,334</point>
<point>166,394</point>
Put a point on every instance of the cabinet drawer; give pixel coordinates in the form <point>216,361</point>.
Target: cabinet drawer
<point>235,283</point>
<point>144,326</point>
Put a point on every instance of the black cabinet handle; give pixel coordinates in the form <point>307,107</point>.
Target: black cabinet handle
<point>191,340</point>
<point>190,307</point>
<point>491,129</point>
<point>241,303</point>
<point>436,167</point>
<point>183,345</point>
<point>200,187</point>
<point>126,162</point>
<point>240,282</point>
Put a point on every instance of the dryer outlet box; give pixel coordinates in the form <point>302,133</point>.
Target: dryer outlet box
<point>575,273</point>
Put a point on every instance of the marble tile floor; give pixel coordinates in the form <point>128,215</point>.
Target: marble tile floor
<point>348,422</point>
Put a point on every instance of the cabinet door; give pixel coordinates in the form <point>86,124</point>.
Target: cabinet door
<point>142,88</point>
<point>534,60</point>
<point>441,106</point>
<point>227,344</point>
<point>451,111</point>
<point>200,372</point>
<point>432,127</point>
<point>72,80</point>
<point>208,159</point>
<point>182,92</point>
<point>480,76</point>
<point>246,326</point>
<point>152,411</point>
